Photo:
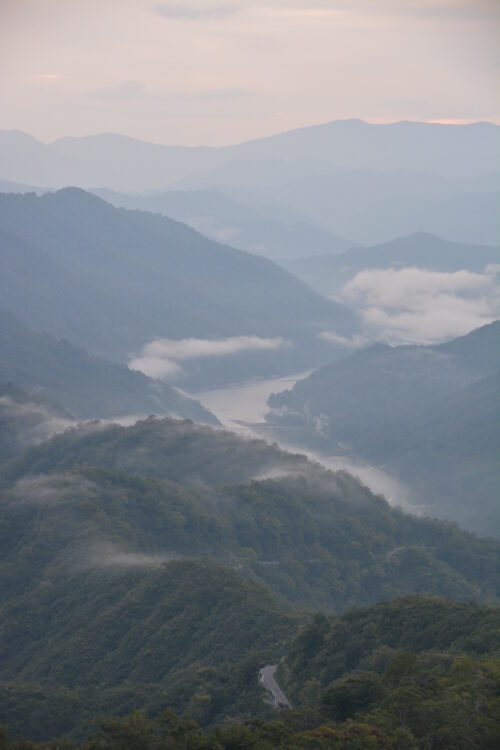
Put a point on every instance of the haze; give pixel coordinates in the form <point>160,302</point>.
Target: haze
<point>222,71</point>
<point>249,374</point>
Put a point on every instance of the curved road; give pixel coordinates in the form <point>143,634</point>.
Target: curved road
<point>266,679</point>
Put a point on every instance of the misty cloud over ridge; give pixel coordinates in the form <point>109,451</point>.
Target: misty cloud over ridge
<point>160,358</point>
<point>354,342</point>
<point>422,306</point>
<point>108,555</point>
<point>39,422</point>
<point>52,490</point>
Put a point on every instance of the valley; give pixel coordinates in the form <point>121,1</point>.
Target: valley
<point>249,432</point>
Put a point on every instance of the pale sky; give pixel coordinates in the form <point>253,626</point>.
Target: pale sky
<point>222,71</point>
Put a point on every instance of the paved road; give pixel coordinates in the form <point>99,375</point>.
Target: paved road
<point>266,679</point>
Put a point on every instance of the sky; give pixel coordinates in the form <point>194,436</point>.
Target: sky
<point>216,72</point>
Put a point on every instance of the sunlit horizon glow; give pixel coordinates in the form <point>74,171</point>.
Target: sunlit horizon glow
<point>217,72</point>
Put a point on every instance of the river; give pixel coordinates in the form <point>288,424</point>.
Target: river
<point>240,406</point>
<point>237,406</point>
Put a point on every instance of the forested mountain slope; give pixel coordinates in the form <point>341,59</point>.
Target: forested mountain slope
<point>137,276</point>
<point>125,632</point>
<point>422,671</point>
<point>407,674</point>
<point>86,385</point>
<point>315,537</point>
<point>156,565</point>
<point>429,414</point>
<point>367,639</point>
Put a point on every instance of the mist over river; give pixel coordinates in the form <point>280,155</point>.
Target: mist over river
<point>242,408</point>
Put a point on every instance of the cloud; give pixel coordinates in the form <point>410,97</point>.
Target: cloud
<point>355,342</point>
<point>53,490</point>
<point>34,422</point>
<point>187,12</point>
<point>48,77</point>
<point>421,306</point>
<point>380,482</point>
<point>393,287</point>
<point>107,555</point>
<point>377,480</point>
<point>155,367</point>
<point>160,358</point>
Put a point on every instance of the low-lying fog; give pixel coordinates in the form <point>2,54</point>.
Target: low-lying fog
<point>241,408</point>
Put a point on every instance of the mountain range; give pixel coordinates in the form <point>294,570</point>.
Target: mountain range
<point>369,206</point>
<point>164,572</point>
<point>351,179</point>
<point>124,163</point>
<point>111,281</point>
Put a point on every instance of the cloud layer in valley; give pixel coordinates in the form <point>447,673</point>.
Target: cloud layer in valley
<point>422,306</point>
<point>161,358</point>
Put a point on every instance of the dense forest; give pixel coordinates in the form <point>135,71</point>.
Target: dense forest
<point>418,672</point>
<point>161,565</point>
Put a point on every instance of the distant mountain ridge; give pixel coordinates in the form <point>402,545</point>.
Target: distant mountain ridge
<point>120,162</point>
<point>223,219</point>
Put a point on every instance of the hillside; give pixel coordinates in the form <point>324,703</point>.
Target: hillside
<point>84,385</point>
<point>393,676</point>
<point>131,631</point>
<point>421,671</point>
<point>167,487</point>
<point>156,565</point>
<point>428,414</point>
<point>136,276</point>
<point>365,640</point>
